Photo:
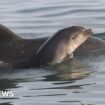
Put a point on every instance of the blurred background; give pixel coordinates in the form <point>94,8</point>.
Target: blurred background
<point>34,18</point>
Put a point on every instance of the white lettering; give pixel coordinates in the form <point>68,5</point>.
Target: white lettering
<point>6,94</point>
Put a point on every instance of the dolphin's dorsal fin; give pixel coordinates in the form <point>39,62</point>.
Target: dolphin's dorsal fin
<point>6,35</point>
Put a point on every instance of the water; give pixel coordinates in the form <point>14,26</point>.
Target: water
<point>79,83</point>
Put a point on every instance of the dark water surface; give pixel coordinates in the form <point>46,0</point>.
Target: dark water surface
<point>78,83</point>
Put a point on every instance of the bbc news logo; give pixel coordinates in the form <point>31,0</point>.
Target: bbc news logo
<point>6,93</point>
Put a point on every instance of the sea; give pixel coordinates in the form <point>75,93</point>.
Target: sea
<point>78,83</point>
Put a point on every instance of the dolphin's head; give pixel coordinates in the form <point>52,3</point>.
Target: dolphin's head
<point>61,46</point>
<point>75,36</point>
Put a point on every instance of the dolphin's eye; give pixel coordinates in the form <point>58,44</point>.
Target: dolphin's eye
<point>74,36</point>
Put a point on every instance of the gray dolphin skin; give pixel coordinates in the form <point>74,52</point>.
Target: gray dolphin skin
<point>60,47</point>
<point>16,52</point>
